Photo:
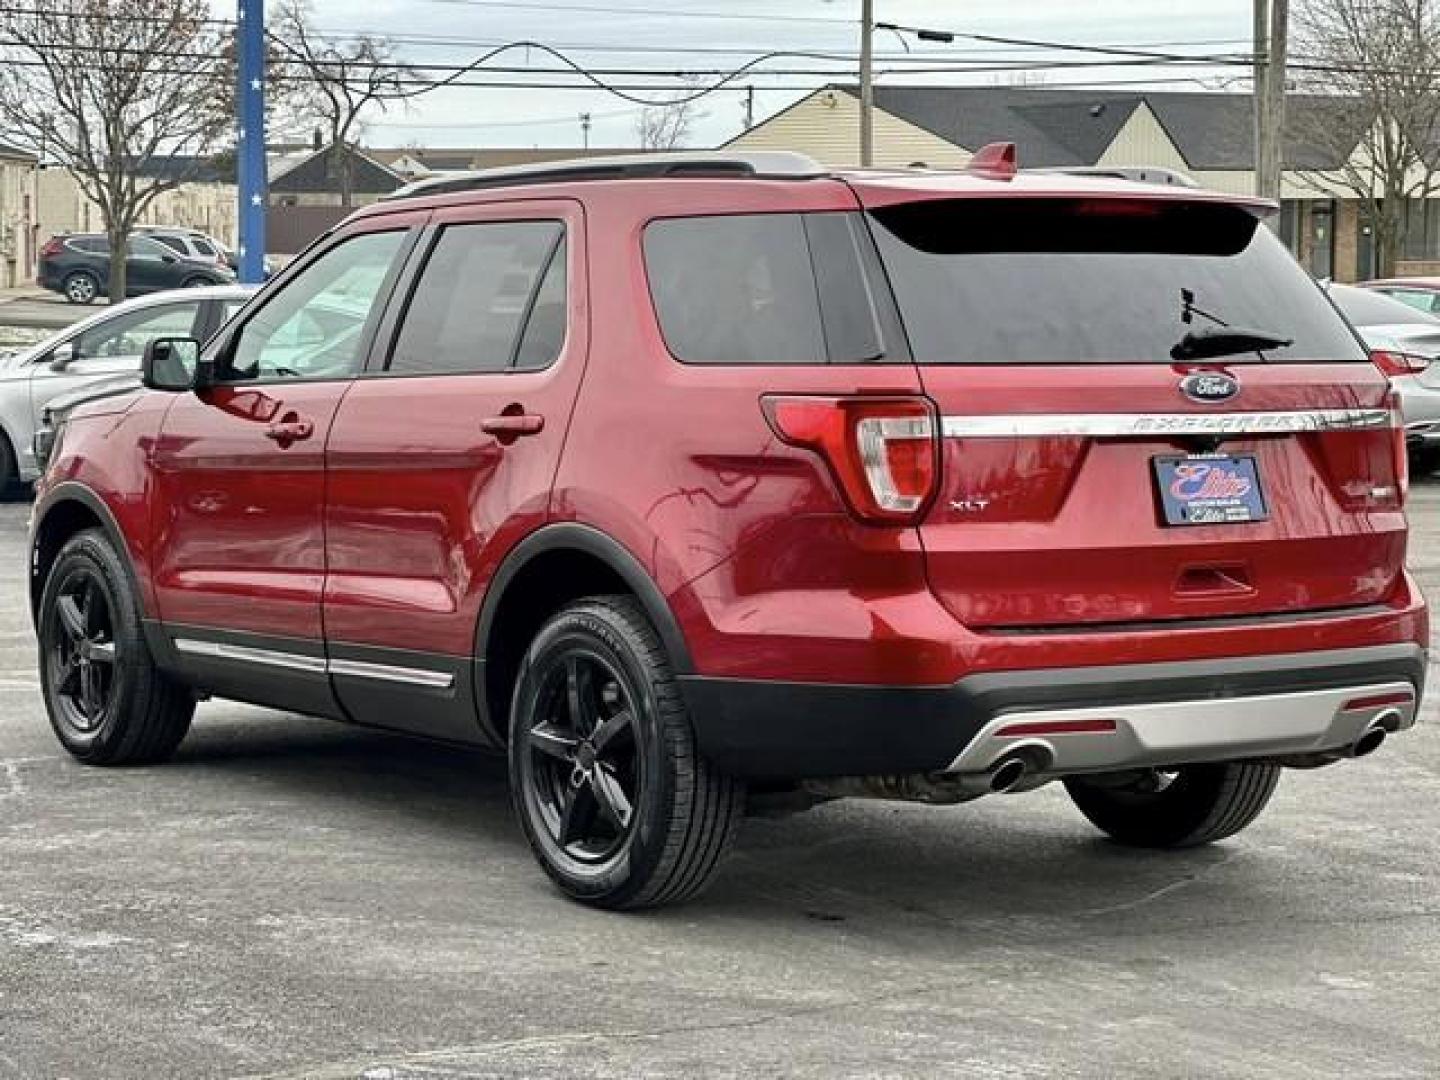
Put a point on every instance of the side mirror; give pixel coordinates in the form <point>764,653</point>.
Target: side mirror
<point>61,357</point>
<point>173,365</point>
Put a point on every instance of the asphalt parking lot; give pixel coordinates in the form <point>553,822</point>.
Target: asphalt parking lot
<point>291,898</point>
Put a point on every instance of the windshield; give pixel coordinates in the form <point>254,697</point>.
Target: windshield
<point>1070,281</point>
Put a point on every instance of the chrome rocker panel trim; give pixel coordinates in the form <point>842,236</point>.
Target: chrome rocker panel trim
<point>245,654</point>
<point>434,680</point>
<point>1188,732</point>
<point>316,665</point>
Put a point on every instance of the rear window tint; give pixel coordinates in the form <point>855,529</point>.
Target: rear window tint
<point>474,297</point>
<point>1067,281</point>
<point>735,290</point>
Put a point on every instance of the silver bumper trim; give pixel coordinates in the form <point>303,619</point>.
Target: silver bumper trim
<point>1187,732</point>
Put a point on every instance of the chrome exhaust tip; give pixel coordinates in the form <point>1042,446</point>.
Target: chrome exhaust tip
<point>1374,735</point>
<point>1008,773</point>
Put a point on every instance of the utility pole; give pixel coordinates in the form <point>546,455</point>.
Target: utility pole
<point>1272,18</point>
<point>1261,49</point>
<point>867,82</point>
<point>749,107</point>
<point>585,130</point>
<point>250,144</point>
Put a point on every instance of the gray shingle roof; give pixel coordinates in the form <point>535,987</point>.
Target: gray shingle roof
<point>319,174</point>
<point>1052,127</point>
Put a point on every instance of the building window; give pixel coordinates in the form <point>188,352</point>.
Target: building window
<point>1420,230</point>
<point>1290,210</point>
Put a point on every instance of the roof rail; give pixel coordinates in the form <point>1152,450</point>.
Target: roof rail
<point>1141,174</point>
<point>767,164</point>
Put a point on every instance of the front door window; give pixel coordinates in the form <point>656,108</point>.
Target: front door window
<point>313,328</point>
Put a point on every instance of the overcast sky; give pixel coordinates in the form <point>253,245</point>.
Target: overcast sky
<point>693,34</point>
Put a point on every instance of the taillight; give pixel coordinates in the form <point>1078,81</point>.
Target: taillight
<point>1398,363</point>
<point>1397,446</point>
<point>883,452</point>
<point>52,248</point>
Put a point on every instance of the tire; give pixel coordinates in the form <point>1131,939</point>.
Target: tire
<point>1424,461</point>
<point>567,764</point>
<point>80,288</point>
<point>1198,805</point>
<point>108,703</point>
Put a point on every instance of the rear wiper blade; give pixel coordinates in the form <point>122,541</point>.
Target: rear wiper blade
<point>1212,341</point>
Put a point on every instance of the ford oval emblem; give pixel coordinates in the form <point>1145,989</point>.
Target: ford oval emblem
<point>1209,387</point>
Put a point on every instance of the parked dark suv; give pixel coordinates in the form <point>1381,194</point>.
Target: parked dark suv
<point>77,266</point>
<point>678,478</point>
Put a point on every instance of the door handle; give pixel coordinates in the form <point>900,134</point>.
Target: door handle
<point>510,426</point>
<point>290,429</point>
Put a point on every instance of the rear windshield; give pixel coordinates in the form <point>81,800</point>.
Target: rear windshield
<point>1069,281</point>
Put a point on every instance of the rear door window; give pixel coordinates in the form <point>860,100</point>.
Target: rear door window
<point>484,284</point>
<point>1079,281</point>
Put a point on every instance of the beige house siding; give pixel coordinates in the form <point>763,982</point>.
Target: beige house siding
<point>826,126</point>
<point>17,220</point>
<point>1143,141</point>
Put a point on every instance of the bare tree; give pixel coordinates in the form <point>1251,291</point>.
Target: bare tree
<point>346,77</point>
<point>1380,127</point>
<point>116,91</point>
<point>667,126</point>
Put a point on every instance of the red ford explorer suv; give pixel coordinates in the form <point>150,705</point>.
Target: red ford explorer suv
<point>680,478</point>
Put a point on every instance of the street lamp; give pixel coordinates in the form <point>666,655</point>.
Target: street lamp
<point>868,26</point>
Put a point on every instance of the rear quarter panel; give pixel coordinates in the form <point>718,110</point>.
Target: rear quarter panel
<point>747,537</point>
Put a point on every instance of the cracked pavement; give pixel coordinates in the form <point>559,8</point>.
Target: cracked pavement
<point>294,899</point>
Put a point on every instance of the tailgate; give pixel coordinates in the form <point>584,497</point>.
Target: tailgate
<point>1149,413</point>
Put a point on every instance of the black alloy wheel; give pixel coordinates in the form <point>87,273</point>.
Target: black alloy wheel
<point>618,805</point>
<point>81,651</point>
<point>583,762</point>
<point>107,700</point>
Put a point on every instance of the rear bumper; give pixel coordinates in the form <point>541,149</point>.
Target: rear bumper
<point>1163,713</point>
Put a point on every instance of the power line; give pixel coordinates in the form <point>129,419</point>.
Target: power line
<point>670,13</point>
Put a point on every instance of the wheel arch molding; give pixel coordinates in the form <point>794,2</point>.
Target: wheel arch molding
<point>66,509</point>
<point>584,540</point>
<point>553,566</point>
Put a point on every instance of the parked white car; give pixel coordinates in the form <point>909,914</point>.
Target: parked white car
<point>106,345</point>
